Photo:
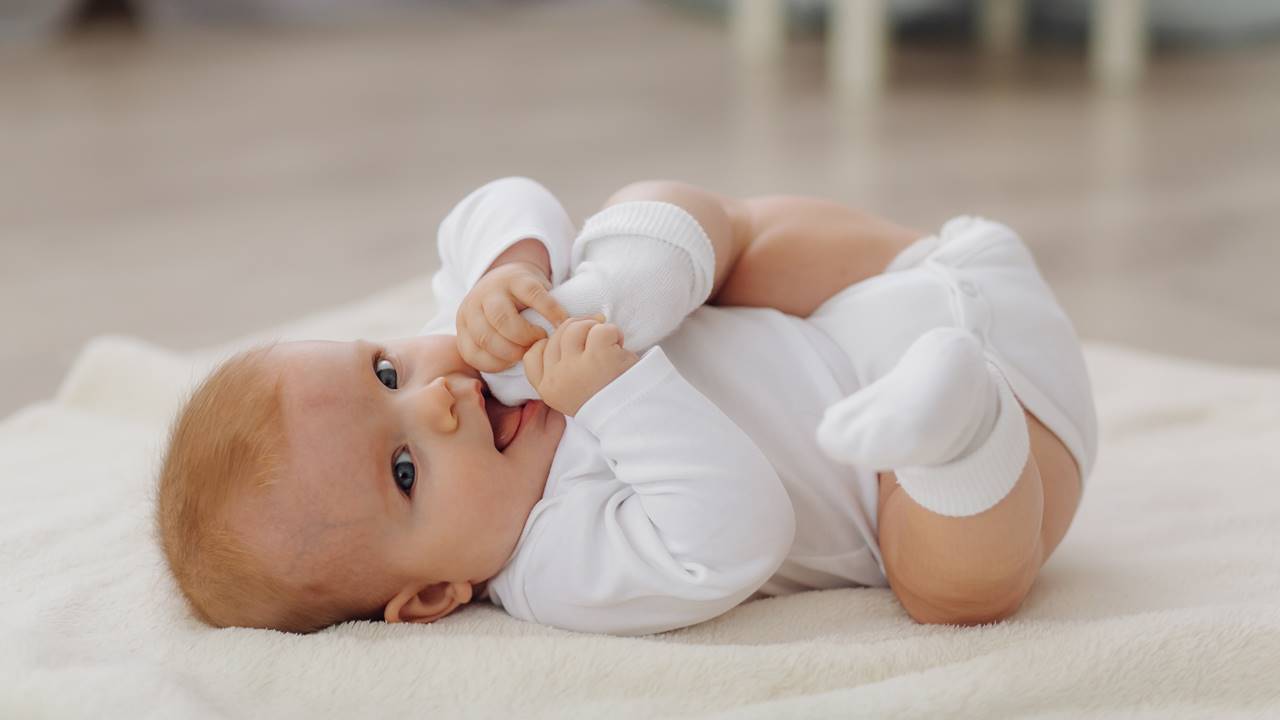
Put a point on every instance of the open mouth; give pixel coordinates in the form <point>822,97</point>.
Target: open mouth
<point>504,419</point>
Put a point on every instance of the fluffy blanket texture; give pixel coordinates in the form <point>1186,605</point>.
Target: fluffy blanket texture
<point>1162,602</point>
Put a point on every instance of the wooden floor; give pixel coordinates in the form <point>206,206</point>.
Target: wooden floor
<point>188,189</point>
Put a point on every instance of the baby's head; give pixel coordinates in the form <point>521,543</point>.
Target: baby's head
<point>314,482</point>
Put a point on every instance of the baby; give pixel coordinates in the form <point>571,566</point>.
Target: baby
<point>695,401</point>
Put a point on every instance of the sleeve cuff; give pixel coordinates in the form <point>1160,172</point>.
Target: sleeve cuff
<point>442,323</point>
<point>498,215</point>
<point>652,370</point>
<point>555,251</point>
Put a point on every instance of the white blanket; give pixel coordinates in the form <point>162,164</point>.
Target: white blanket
<point>1162,602</point>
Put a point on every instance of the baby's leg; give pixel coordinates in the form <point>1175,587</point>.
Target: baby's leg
<point>977,501</point>
<point>790,253</point>
<point>646,267</point>
<point>979,568</point>
<point>800,251</point>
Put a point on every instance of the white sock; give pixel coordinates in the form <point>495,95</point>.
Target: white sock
<point>944,420</point>
<point>645,265</point>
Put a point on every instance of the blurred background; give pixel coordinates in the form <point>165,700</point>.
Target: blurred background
<point>188,171</point>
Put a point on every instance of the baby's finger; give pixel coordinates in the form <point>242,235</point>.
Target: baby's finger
<point>534,295</point>
<point>466,348</point>
<point>575,335</point>
<point>478,357</point>
<point>502,314</point>
<point>553,345</point>
<point>604,336</point>
<point>533,362</point>
<point>487,338</point>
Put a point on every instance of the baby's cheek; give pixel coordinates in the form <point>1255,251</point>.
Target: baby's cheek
<point>351,549</point>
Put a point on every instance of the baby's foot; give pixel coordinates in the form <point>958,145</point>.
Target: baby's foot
<point>936,404</point>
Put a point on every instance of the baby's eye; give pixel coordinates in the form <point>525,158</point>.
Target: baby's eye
<point>386,373</point>
<point>403,471</point>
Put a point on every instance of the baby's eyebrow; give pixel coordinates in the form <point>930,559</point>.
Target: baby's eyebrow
<point>362,349</point>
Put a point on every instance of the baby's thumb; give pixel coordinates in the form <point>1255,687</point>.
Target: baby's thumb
<point>604,336</point>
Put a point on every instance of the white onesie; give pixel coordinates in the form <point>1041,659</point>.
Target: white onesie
<point>691,482</point>
<point>695,478</point>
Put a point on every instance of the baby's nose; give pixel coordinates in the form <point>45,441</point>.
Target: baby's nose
<point>436,405</point>
<point>464,388</point>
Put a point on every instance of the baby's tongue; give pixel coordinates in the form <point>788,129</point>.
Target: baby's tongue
<point>505,421</point>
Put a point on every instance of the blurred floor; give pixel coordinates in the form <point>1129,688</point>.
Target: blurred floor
<point>191,189</point>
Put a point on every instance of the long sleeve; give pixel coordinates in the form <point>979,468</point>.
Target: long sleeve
<point>482,226</point>
<point>694,520</point>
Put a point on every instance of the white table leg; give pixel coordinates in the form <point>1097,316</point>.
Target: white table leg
<point>1118,42</point>
<point>857,46</point>
<point>1002,26</point>
<point>759,29</point>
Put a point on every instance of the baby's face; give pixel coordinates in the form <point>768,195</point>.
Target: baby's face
<point>398,466</point>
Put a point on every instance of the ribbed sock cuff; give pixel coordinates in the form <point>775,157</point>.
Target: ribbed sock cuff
<point>661,221</point>
<point>981,479</point>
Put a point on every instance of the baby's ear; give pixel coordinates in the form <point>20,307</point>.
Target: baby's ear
<point>427,604</point>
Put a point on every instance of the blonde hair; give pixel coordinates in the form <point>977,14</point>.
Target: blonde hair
<point>226,443</point>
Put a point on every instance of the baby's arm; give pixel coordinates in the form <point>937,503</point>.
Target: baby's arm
<point>692,521</point>
<point>643,264</point>
<point>506,220</point>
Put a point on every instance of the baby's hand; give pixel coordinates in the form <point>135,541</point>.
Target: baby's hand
<point>492,336</point>
<point>577,361</point>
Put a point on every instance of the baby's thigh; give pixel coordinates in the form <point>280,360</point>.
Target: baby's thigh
<point>1060,479</point>
<point>802,251</point>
